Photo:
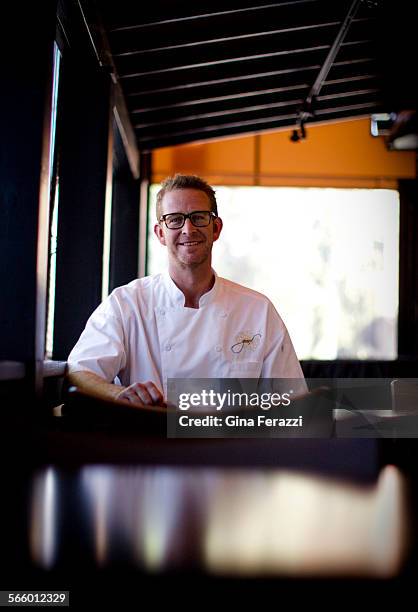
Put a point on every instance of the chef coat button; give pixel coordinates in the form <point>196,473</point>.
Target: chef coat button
<point>162,312</point>
<point>168,347</point>
<point>218,348</point>
<point>223,315</point>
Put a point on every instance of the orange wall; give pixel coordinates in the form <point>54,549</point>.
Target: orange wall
<point>338,155</point>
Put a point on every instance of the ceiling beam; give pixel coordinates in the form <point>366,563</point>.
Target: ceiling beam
<point>243,94</point>
<point>288,118</point>
<point>229,60</point>
<point>227,39</point>
<point>193,86</point>
<point>348,94</point>
<point>243,36</point>
<point>221,113</point>
<point>233,12</point>
<point>281,123</point>
<point>161,122</point>
<point>236,60</point>
<point>231,79</point>
<point>197,101</point>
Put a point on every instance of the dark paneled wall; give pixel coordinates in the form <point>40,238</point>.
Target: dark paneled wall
<point>25,99</point>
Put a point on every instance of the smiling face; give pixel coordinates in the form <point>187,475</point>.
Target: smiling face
<point>189,246</point>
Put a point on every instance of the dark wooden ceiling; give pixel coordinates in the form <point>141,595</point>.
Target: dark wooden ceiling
<point>193,71</point>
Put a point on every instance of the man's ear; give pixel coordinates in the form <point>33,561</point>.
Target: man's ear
<point>217,228</point>
<point>159,232</point>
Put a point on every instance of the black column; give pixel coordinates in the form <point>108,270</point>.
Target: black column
<point>24,194</point>
<point>408,273</point>
<point>83,155</point>
<point>125,219</point>
<point>145,173</point>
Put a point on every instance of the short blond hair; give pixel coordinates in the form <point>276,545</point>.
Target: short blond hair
<point>185,181</point>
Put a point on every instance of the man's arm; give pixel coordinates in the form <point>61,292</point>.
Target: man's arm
<point>281,361</point>
<point>94,385</point>
<point>138,394</point>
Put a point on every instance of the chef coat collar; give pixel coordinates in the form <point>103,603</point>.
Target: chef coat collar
<point>178,296</point>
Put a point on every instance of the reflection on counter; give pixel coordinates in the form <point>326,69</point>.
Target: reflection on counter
<point>43,518</point>
<point>223,522</point>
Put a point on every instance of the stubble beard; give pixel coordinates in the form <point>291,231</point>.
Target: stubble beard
<point>190,261</point>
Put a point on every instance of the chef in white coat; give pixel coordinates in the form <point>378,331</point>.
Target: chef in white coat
<point>185,323</point>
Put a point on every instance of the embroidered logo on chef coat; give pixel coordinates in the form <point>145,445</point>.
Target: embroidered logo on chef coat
<point>246,341</point>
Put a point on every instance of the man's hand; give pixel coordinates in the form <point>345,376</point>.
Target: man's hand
<point>142,393</point>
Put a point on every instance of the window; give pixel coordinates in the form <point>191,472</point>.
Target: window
<point>54,192</point>
<point>327,258</point>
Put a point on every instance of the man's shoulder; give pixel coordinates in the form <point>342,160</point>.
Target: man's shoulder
<point>241,291</point>
<point>139,294</point>
<point>138,285</point>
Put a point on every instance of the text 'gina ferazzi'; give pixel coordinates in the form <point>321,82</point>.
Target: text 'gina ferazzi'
<point>236,421</point>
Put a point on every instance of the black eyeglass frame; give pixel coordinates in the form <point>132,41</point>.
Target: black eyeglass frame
<point>188,216</point>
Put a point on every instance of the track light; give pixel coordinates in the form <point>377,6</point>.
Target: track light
<point>299,134</point>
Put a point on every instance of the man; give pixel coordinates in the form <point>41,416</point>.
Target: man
<point>186,323</point>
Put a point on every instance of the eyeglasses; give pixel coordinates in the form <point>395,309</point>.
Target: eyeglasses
<point>199,218</point>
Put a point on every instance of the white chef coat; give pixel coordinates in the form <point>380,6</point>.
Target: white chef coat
<point>143,332</point>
